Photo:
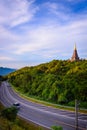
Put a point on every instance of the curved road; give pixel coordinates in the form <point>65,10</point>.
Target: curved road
<point>40,114</point>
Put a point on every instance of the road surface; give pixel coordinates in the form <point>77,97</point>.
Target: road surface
<point>41,114</point>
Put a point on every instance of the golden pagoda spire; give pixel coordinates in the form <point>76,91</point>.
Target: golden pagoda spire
<point>75,54</point>
<point>75,47</point>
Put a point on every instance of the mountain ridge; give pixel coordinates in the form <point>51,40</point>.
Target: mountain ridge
<point>5,70</point>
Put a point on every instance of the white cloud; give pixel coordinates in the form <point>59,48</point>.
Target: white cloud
<point>6,33</point>
<point>7,38</point>
<point>46,37</point>
<point>16,12</point>
<point>51,37</point>
<point>60,11</point>
<point>6,58</point>
<point>75,1</point>
<point>64,13</point>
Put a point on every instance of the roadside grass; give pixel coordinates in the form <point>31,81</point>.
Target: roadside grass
<point>57,128</point>
<point>35,100</point>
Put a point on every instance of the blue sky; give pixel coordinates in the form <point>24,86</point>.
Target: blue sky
<point>37,31</point>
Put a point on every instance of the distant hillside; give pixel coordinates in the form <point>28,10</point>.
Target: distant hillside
<point>57,81</point>
<point>5,71</point>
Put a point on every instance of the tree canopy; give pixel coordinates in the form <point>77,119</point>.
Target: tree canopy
<point>57,81</point>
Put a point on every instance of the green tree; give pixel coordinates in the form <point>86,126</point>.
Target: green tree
<point>9,113</point>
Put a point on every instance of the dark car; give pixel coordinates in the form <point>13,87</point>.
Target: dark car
<point>17,105</point>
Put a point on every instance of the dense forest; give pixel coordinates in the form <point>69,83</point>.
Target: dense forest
<point>58,81</point>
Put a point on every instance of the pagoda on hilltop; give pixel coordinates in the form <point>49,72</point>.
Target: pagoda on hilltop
<point>75,56</point>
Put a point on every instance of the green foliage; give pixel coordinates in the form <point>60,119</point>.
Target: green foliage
<point>9,113</point>
<point>2,78</point>
<point>57,81</point>
<point>17,124</point>
<point>57,128</point>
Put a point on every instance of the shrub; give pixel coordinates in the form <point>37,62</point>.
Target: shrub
<point>57,128</point>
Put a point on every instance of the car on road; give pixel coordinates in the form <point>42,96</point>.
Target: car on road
<point>16,105</point>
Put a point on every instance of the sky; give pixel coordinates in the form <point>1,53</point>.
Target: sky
<point>33,32</point>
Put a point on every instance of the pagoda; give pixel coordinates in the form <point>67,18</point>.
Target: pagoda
<point>75,55</point>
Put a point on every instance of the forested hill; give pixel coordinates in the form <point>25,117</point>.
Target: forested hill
<point>57,81</point>
<point>5,71</point>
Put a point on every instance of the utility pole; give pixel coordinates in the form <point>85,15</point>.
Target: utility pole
<point>76,114</point>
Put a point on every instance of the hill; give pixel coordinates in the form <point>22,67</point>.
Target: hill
<point>5,71</point>
<point>57,81</point>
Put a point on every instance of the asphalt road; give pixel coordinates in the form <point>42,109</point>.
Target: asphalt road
<point>40,114</point>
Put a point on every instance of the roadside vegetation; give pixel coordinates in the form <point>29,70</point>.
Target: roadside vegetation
<point>59,82</point>
<point>1,79</point>
<point>57,128</point>
<point>10,121</point>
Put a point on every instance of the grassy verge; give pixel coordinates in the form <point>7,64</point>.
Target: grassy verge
<point>18,124</point>
<point>33,99</point>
